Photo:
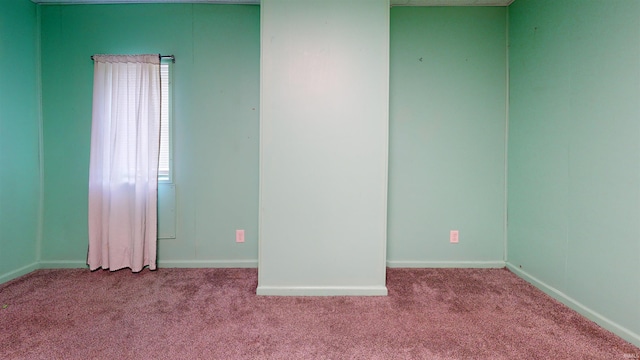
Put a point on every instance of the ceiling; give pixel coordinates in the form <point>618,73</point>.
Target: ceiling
<point>393,2</point>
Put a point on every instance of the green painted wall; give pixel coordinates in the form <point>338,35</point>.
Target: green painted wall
<point>324,133</point>
<point>19,139</point>
<point>447,136</point>
<point>216,125</point>
<point>446,166</point>
<point>574,154</point>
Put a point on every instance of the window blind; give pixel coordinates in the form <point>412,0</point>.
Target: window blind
<point>164,161</point>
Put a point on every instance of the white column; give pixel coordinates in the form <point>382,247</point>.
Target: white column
<point>323,147</point>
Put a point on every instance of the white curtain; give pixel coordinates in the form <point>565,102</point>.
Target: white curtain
<point>123,173</point>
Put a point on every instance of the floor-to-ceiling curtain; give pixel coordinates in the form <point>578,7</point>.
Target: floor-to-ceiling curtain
<point>123,173</point>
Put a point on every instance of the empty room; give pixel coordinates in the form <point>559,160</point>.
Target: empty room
<point>320,179</point>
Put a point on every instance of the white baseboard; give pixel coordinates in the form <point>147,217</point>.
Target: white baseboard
<point>446,264</point>
<point>594,316</point>
<point>207,264</point>
<point>62,264</point>
<point>322,290</point>
<point>18,272</point>
<point>69,264</point>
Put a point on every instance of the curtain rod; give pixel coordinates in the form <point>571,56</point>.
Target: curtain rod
<point>172,57</point>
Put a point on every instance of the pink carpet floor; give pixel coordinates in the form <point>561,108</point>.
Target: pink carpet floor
<point>215,314</point>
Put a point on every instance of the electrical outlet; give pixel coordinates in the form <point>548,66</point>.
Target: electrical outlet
<point>454,236</point>
<point>239,236</point>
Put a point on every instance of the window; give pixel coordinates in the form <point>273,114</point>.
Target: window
<point>166,160</point>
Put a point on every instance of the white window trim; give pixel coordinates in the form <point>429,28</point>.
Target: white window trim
<point>169,177</point>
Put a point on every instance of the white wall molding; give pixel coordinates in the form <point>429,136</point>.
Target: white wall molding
<point>577,306</point>
<point>446,264</point>
<point>322,290</point>
<point>62,264</point>
<point>18,272</point>
<point>246,264</point>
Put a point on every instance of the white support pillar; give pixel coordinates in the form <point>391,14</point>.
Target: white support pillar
<point>323,147</point>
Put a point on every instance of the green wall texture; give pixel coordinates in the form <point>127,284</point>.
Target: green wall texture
<point>447,136</point>
<point>574,155</point>
<point>20,179</point>
<point>216,124</point>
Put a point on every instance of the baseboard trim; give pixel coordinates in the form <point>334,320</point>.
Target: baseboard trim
<point>590,314</point>
<point>446,264</point>
<point>75,264</point>
<point>18,272</point>
<point>322,290</point>
<point>62,264</point>
<point>208,264</point>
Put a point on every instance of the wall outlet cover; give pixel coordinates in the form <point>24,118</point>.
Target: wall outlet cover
<point>454,236</point>
<point>239,236</point>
